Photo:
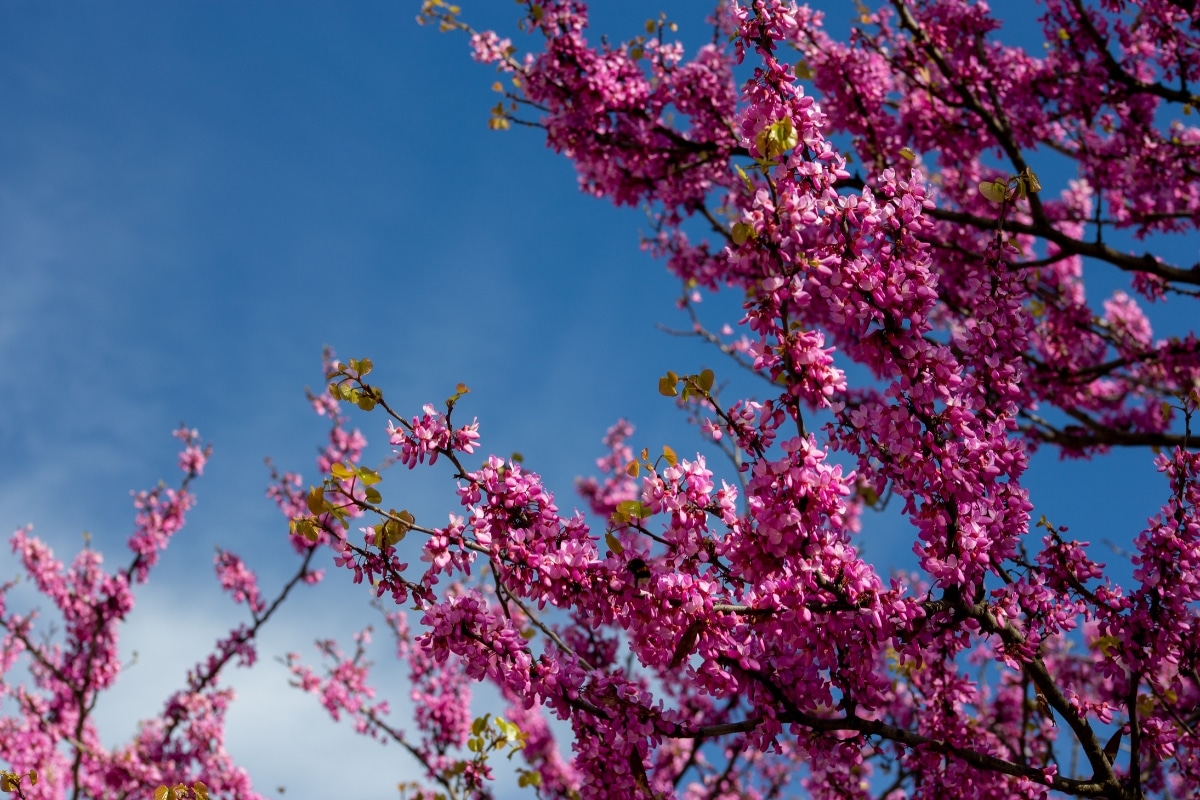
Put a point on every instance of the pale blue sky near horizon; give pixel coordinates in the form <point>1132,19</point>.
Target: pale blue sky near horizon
<point>196,198</point>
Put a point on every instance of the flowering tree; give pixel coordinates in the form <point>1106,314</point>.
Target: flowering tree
<point>719,637</point>
<point>724,638</point>
<point>182,753</point>
<point>66,678</point>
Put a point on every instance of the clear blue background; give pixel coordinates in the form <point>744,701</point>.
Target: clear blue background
<point>195,198</point>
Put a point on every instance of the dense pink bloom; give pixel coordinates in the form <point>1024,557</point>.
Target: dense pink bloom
<point>919,318</point>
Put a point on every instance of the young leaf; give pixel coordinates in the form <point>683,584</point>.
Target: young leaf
<point>995,191</point>
<point>741,232</point>
<point>667,383</point>
<point>306,527</point>
<point>509,730</point>
<point>316,500</point>
<point>1029,180</point>
<point>705,380</point>
<point>776,139</point>
<point>614,544</point>
<point>745,178</point>
<point>632,469</point>
<point>632,509</point>
<point>669,456</point>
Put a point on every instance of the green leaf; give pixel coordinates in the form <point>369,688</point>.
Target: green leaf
<point>368,476</point>
<point>669,456</point>
<point>391,531</point>
<point>907,154</point>
<point>667,385</point>
<point>995,191</point>
<point>632,509</point>
<point>614,544</point>
<point>306,527</point>
<point>365,402</point>
<point>776,139</point>
<point>508,730</point>
<point>316,500</point>
<point>742,232</point>
<point>705,380</point>
<point>373,496</point>
<point>745,178</point>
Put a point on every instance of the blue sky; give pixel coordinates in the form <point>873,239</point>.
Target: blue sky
<point>196,198</point>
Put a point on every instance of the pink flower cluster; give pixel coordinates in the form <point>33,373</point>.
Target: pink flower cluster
<point>47,720</point>
<point>742,618</point>
<point>428,435</point>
